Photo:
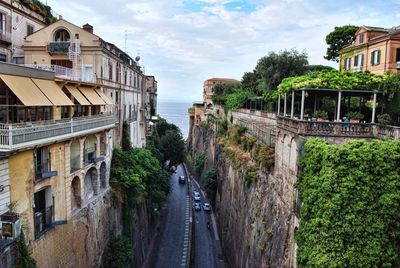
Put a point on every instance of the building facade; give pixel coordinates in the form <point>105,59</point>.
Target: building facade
<point>77,54</point>
<point>208,88</point>
<point>375,49</point>
<point>56,142</point>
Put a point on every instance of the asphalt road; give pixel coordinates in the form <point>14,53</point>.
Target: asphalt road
<point>205,240</point>
<point>174,239</point>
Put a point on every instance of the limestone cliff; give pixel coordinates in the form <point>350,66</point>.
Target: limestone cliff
<point>256,223</point>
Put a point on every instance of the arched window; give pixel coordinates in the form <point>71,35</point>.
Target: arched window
<point>103,176</point>
<point>61,35</point>
<point>90,183</point>
<point>76,199</point>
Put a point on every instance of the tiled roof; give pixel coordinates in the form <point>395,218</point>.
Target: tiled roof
<point>222,80</point>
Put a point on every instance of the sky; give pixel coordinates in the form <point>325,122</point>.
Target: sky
<point>183,42</point>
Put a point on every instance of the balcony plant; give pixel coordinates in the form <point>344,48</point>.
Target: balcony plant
<point>11,215</point>
<point>355,117</point>
<point>321,115</point>
<point>384,119</point>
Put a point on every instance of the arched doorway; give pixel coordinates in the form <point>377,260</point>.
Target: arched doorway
<point>90,183</point>
<point>90,149</point>
<point>76,199</point>
<point>75,156</point>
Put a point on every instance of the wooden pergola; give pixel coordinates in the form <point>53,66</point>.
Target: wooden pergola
<point>338,93</point>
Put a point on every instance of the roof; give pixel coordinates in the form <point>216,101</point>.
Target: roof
<point>375,29</point>
<point>223,80</point>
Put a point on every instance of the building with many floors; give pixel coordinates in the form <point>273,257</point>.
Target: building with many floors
<point>375,49</point>
<point>208,88</point>
<point>76,54</point>
<point>56,141</point>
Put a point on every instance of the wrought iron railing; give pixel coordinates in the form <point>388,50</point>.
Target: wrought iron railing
<point>58,47</point>
<point>262,132</point>
<point>43,221</point>
<point>17,135</point>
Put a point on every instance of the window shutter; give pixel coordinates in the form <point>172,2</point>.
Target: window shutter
<point>8,23</point>
<point>379,57</point>
<point>372,57</point>
<point>398,54</point>
<point>362,60</point>
<point>356,61</point>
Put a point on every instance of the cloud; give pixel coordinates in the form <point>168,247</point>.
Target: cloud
<point>185,42</point>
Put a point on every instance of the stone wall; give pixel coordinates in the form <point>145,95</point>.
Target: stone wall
<point>256,223</point>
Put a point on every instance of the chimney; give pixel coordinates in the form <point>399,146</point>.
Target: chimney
<point>87,27</point>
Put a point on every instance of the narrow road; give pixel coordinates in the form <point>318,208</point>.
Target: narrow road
<point>172,248</point>
<point>206,241</point>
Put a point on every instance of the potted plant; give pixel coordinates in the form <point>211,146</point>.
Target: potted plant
<point>10,215</point>
<point>355,117</point>
<point>321,115</point>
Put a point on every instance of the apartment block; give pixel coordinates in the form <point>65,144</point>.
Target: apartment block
<point>208,88</point>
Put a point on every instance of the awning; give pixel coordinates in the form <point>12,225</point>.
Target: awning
<point>53,92</point>
<point>104,96</point>
<point>92,96</point>
<point>25,90</point>
<point>77,95</point>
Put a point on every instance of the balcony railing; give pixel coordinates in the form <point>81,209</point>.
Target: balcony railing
<point>357,69</point>
<point>15,136</point>
<point>58,47</point>
<point>43,221</point>
<point>66,73</point>
<point>43,169</point>
<point>5,36</point>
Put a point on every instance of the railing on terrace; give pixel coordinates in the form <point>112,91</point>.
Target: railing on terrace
<point>17,135</point>
<point>335,129</point>
<point>58,47</point>
<point>260,131</point>
<point>66,73</point>
<point>385,132</point>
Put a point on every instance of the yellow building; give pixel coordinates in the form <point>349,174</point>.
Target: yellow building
<point>75,53</point>
<point>56,139</point>
<point>375,49</point>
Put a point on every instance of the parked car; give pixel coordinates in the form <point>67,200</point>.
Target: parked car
<point>197,197</point>
<point>195,192</point>
<point>197,206</point>
<point>206,207</point>
<point>182,179</point>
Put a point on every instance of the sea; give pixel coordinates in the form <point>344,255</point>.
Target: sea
<point>175,113</point>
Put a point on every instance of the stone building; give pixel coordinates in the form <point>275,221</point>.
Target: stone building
<point>17,20</point>
<point>151,86</point>
<point>56,142</point>
<point>208,88</point>
<point>76,54</point>
<point>375,49</point>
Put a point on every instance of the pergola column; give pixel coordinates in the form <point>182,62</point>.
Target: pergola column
<point>373,109</point>
<point>338,105</point>
<point>292,104</point>
<point>279,104</point>
<point>303,96</point>
<point>284,107</point>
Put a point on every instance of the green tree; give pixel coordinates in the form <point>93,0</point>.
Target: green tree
<point>119,253</point>
<point>126,137</point>
<point>172,147</point>
<point>274,67</point>
<point>250,81</point>
<point>319,68</point>
<point>238,99</point>
<point>339,38</point>
<point>210,184</point>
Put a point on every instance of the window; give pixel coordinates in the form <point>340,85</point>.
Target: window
<point>43,211</point>
<point>118,73</point>
<point>397,54</point>
<point>375,57</point>
<point>361,38</point>
<point>63,63</point>
<point>3,28</point>
<point>3,57</point>
<point>43,163</point>
<point>110,71</point>
<point>29,29</point>
<point>116,97</point>
<point>358,60</point>
<point>61,35</point>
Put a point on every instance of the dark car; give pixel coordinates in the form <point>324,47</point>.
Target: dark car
<point>182,179</point>
<point>197,206</point>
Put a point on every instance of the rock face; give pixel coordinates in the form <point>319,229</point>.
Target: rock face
<point>256,223</point>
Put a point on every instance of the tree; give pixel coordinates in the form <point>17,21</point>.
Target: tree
<point>274,67</point>
<point>340,37</point>
<point>319,68</point>
<point>210,184</point>
<point>172,147</point>
<point>126,137</point>
<point>250,81</point>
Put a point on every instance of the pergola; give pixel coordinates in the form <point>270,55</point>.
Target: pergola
<point>317,93</point>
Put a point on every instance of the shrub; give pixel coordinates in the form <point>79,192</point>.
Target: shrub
<point>23,258</point>
<point>384,119</point>
<point>355,115</point>
<point>321,114</point>
<point>199,163</point>
<point>210,184</point>
<point>119,253</point>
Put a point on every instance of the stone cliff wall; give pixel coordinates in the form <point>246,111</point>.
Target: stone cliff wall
<point>256,223</point>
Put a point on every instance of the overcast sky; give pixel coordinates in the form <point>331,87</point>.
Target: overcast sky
<point>185,42</point>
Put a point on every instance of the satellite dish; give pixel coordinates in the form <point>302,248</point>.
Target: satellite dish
<point>137,58</point>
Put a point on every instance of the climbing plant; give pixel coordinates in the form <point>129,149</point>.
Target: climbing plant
<point>350,213</point>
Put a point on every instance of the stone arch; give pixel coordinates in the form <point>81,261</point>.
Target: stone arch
<point>75,155</point>
<point>90,183</point>
<point>89,149</point>
<point>103,175</point>
<point>76,198</point>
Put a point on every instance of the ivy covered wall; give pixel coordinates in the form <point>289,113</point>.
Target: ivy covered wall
<point>350,213</point>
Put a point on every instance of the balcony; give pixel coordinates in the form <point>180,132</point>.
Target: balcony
<point>66,73</point>
<point>58,47</point>
<point>17,136</point>
<point>5,37</point>
<point>43,221</point>
<point>43,170</point>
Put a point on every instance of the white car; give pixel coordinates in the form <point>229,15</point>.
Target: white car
<point>206,207</point>
<point>197,197</point>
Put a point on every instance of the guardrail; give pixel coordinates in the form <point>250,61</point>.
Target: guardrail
<point>66,73</point>
<point>17,135</point>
